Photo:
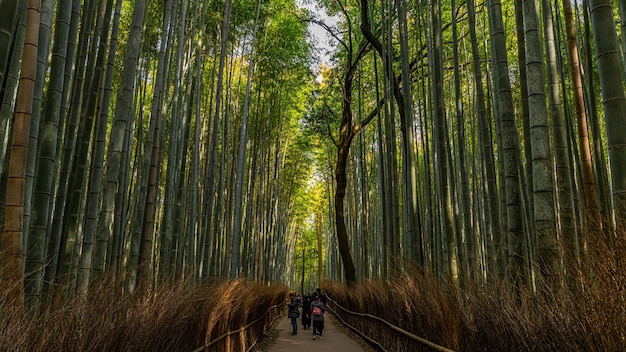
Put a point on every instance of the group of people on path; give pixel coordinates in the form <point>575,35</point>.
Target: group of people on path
<point>313,308</point>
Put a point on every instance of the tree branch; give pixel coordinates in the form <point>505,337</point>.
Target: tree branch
<point>330,133</point>
<point>322,24</point>
<point>369,117</point>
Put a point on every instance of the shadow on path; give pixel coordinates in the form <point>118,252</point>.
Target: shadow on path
<point>335,338</point>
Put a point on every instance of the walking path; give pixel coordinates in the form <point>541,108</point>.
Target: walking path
<point>335,338</point>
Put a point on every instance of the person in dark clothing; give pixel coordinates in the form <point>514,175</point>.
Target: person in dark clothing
<point>306,312</point>
<point>319,293</point>
<point>294,312</point>
<point>317,316</point>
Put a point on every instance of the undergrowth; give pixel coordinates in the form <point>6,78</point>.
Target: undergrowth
<point>586,313</point>
<point>177,317</point>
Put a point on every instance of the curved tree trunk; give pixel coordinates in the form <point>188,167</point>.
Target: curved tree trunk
<point>340,194</point>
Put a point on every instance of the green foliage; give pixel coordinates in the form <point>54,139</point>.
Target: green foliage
<point>284,48</point>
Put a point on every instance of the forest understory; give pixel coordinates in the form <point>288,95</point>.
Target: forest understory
<point>590,315</point>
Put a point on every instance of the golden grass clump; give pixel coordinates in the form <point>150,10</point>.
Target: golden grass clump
<point>585,312</point>
<point>411,302</point>
<point>176,317</point>
<point>240,304</point>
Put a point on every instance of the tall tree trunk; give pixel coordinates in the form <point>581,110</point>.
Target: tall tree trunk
<point>196,91</point>
<point>485,137</point>
<point>12,268</point>
<point>613,98</point>
<point>511,145</point>
<point>526,173</point>
<point>45,25</point>
<point>543,169</point>
<point>342,233</point>
<point>168,237</point>
<point>588,178</point>
<point>47,154</point>
<point>11,11</point>
<point>466,243</point>
<point>443,162</point>
<point>98,150</point>
<point>156,113</point>
<point>414,247</point>
<point>622,16</point>
<point>386,222</point>
<point>56,237</point>
<point>212,168</point>
<point>9,84</point>
<point>598,152</point>
<point>236,267</point>
<point>122,118</point>
<point>347,132</point>
<point>402,95</point>
<point>77,145</point>
<point>564,183</point>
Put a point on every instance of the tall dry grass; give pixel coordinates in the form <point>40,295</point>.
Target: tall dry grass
<point>588,314</point>
<point>412,302</point>
<point>178,317</point>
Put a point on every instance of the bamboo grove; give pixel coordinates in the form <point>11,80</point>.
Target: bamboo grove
<point>479,141</point>
<point>159,140</point>
<point>162,135</point>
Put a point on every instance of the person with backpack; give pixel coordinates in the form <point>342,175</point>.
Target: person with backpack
<point>317,316</point>
<point>318,291</point>
<point>293,313</point>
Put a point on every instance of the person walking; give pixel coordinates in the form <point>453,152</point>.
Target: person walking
<point>319,293</point>
<point>294,312</point>
<point>317,316</point>
<point>322,297</point>
<point>306,312</point>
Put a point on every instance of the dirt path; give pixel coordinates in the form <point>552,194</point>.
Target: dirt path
<point>336,338</point>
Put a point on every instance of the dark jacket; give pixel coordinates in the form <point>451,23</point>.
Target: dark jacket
<point>306,311</point>
<point>293,312</point>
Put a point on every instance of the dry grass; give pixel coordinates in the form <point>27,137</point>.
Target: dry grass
<point>589,315</point>
<point>415,304</point>
<point>179,317</point>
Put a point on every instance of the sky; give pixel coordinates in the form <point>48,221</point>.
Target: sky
<point>322,42</point>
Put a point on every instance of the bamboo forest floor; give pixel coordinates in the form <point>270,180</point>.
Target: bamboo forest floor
<point>336,338</point>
